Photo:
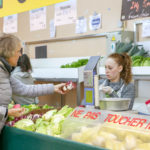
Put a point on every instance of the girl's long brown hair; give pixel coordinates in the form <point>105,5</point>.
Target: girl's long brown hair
<point>24,63</point>
<point>125,61</point>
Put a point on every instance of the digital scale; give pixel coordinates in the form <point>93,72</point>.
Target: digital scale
<point>91,72</point>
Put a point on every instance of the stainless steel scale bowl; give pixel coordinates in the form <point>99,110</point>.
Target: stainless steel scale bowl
<point>115,104</point>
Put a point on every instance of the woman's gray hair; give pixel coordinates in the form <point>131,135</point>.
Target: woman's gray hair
<point>8,45</point>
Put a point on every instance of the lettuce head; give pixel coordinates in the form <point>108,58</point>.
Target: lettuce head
<point>25,124</point>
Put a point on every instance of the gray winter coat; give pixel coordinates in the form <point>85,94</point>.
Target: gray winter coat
<point>26,78</point>
<point>10,84</point>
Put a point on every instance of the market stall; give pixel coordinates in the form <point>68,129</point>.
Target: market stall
<point>55,37</point>
<point>39,129</point>
<point>85,128</point>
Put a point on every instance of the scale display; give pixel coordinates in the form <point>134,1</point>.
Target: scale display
<point>89,96</point>
<point>90,70</point>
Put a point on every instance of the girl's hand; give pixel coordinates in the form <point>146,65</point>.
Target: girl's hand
<point>107,89</point>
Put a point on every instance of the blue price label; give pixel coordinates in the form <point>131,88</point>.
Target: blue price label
<point>96,21</point>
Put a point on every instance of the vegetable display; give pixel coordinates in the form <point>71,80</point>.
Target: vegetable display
<point>49,123</point>
<point>110,130</point>
<point>140,61</point>
<point>75,64</point>
<point>131,49</point>
<point>139,56</point>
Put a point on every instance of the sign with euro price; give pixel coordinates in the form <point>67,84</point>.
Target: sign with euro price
<point>95,21</point>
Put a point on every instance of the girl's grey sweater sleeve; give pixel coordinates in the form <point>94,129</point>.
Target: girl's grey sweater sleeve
<point>22,89</point>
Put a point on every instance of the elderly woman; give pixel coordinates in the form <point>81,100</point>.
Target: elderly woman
<point>23,73</point>
<point>10,50</point>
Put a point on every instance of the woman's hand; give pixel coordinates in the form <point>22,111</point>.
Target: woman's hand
<point>16,112</point>
<point>59,88</point>
<point>107,89</point>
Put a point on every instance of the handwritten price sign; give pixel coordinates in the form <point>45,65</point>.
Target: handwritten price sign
<point>132,9</point>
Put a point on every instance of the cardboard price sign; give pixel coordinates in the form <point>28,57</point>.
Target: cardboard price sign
<point>10,7</point>
<point>118,118</point>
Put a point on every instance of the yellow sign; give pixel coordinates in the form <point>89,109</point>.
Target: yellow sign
<point>113,38</point>
<point>10,7</point>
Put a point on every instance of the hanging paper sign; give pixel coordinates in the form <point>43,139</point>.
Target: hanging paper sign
<point>10,7</point>
<point>81,25</point>
<point>146,29</point>
<point>65,13</point>
<point>52,29</point>
<point>10,24</point>
<point>95,22</point>
<point>132,9</point>
<point>38,19</point>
